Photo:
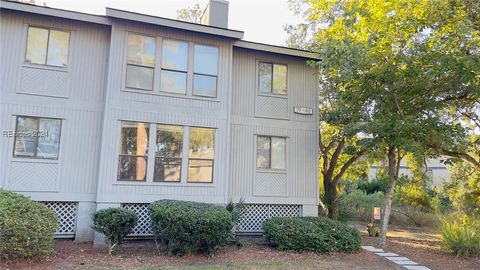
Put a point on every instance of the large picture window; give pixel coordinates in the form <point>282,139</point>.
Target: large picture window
<point>271,152</point>
<point>205,71</point>
<point>174,67</point>
<point>140,62</point>
<point>132,164</point>
<point>37,137</point>
<point>47,46</point>
<point>168,154</point>
<point>272,78</point>
<point>201,154</point>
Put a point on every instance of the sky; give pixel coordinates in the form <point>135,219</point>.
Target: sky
<point>262,21</point>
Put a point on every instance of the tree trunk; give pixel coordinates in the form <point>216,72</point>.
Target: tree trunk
<point>393,164</point>
<point>330,197</point>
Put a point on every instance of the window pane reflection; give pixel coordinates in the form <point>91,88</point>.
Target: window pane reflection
<point>204,85</point>
<point>174,55</point>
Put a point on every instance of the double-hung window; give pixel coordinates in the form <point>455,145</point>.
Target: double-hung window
<point>173,78</point>
<point>140,62</point>
<point>132,162</point>
<point>272,78</point>
<point>271,152</point>
<point>168,154</point>
<point>47,46</point>
<point>37,137</point>
<point>205,71</point>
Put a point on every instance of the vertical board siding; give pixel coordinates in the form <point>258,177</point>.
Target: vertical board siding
<point>126,104</point>
<point>79,103</point>
<point>301,132</point>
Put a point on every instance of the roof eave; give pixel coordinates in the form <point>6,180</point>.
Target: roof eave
<point>143,18</point>
<point>59,13</point>
<point>277,49</point>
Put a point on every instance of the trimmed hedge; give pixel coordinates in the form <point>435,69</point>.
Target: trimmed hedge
<point>310,234</point>
<point>26,227</point>
<point>188,227</point>
<point>115,224</point>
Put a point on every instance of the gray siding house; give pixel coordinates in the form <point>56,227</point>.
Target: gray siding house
<point>124,109</point>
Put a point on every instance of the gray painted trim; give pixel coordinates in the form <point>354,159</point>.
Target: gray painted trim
<point>276,49</point>
<point>132,16</point>
<point>55,12</point>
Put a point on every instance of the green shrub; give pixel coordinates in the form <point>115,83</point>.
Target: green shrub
<point>26,227</point>
<point>115,224</point>
<point>359,205</point>
<point>317,234</point>
<point>461,238</point>
<point>187,227</point>
<point>379,184</point>
<point>414,195</point>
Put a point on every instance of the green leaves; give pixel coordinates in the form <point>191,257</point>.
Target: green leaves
<point>115,224</point>
<point>189,227</point>
<point>311,234</point>
<point>26,227</point>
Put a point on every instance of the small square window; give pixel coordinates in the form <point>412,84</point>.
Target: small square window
<point>272,78</point>
<point>271,152</point>
<point>37,137</point>
<point>47,46</point>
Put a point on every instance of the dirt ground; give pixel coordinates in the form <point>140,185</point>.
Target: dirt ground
<point>424,247</point>
<point>421,246</point>
<point>141,256</point>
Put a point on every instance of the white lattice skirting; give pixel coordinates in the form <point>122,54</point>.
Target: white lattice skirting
<point>143,227</point>
<point>255,214</point>
<point>253,217</point>
<point>67,218</point>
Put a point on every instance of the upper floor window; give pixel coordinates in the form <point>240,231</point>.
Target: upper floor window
<point>132,162</point>
<point>140,62</point>
<point>184,67</point>
<point>173,76</point>
<point>47,46</point>
<point>37,137</point>
<point>271,152</point>
<point>205,71</point>
<point>272,78</point>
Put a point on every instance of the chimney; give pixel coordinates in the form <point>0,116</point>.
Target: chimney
<point>215,14</point>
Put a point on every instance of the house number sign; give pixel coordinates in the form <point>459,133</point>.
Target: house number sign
<point>303,110</point>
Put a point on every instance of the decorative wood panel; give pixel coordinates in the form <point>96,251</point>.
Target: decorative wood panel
<point>33,176</point>
<point>270,184</point>
<point>271,107</point>
<point>43,82</point>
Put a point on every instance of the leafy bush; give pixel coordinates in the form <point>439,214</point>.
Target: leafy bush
<point>379,184</point>
<point>26,227</point>
<point>187,227</point>
<point>461,238</point>
<point>115,224</point>
<point>414,195</point>
<point>310,234</point>
<point>359,205</point>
